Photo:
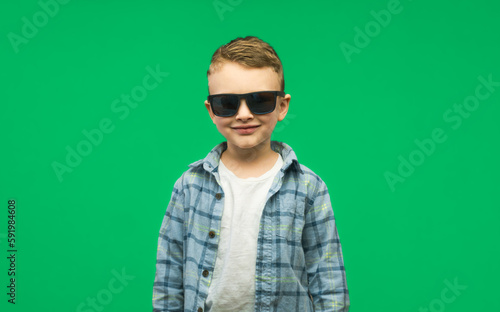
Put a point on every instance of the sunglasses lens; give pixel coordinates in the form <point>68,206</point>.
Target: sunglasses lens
<point>262,102</point>
<point>258,102</point>
<point>224,105</point>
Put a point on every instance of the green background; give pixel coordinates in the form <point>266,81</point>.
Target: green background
<point>350,120</point>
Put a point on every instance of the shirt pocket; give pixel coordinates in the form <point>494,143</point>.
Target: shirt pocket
<point>290,219</point>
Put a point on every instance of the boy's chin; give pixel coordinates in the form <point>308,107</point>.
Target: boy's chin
<point>250,144</point>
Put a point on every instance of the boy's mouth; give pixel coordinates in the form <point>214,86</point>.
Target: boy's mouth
<point>246,129</point>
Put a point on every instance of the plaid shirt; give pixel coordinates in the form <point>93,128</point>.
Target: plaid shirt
<point>299,254</point>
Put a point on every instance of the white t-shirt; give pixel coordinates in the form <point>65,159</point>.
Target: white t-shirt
<point>233,282</point>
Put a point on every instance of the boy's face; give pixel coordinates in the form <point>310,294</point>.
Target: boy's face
<point>234,78</point>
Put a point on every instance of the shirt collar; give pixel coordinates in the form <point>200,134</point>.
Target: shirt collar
<point>211,161</point>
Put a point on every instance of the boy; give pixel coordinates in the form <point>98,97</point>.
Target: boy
<point>248,228</point>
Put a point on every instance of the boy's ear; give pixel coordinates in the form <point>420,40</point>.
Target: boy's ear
<point>283,105</point>
<point>209,109</point>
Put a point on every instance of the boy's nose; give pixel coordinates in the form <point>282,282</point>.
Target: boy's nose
<point>243,111</point>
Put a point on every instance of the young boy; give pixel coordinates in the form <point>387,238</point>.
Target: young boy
<point>248,228</point>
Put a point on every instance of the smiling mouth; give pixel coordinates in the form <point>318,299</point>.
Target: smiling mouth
<point>246,130</point>
<point>245,127</point>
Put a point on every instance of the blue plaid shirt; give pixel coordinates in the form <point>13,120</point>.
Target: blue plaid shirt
<point>299,254</point>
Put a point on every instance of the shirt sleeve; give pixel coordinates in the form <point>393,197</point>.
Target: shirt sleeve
<point>323,253</point>
<point>168,293</point>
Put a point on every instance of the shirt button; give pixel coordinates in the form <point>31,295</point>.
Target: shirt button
<point>200,309</point>
<point>205,273</point>
<point>211,234</point>
<point>218,195</point>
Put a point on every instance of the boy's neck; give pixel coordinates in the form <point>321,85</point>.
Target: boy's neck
<point>251,162</point>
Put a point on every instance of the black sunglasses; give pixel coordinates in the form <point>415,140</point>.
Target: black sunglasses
<point>227,104</point>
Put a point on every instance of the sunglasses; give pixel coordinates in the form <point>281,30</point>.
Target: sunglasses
<point>260,103</point>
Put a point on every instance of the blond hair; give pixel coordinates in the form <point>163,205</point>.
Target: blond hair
<point>250,52</point>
